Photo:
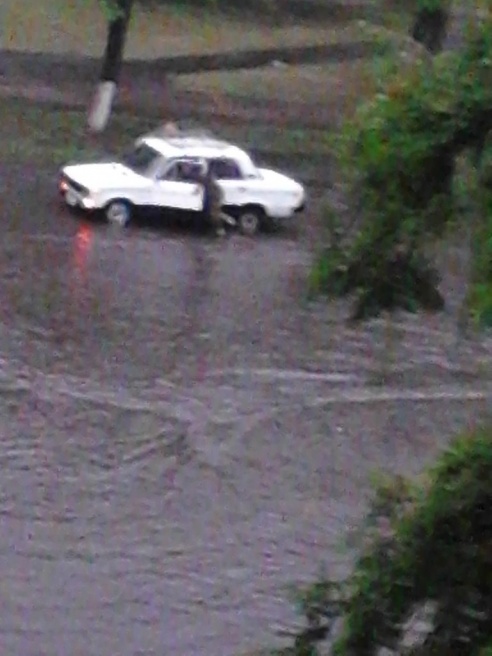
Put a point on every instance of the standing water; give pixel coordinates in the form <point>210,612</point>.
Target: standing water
<point>181,438</point>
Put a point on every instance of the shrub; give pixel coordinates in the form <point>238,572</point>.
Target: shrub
<point>428,545</point>
<point>399,155</point>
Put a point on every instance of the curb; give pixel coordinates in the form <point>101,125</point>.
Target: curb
<point>50,66</point>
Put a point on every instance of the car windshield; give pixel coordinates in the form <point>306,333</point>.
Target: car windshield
<point>141,158</point>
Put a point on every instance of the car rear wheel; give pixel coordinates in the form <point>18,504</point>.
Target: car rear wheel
<point>119,212</point>
<point>249,221</point>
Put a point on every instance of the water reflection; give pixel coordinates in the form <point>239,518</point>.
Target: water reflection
<point>156,494</point>
<point>82,246</point>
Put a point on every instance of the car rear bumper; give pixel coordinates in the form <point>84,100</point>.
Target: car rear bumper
<point>279,215</point>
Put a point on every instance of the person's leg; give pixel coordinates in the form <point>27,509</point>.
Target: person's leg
<point>216,220</point>
<point>227,219</point>
<point>220,230</point>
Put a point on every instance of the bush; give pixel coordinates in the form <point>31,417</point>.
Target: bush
<point>427,545</point>
<point>399,154</point>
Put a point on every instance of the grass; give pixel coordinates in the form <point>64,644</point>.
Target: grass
<point>41,134</point>
<point>338,85</point>
<point>78,26</point>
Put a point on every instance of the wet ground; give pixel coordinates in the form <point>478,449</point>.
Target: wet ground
<point>183,434</point>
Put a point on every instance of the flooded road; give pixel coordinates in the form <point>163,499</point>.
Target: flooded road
<point>182,435</point>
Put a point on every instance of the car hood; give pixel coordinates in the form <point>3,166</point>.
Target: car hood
<point>105,175</point>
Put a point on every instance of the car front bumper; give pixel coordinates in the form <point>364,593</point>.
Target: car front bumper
<point>74,197</point>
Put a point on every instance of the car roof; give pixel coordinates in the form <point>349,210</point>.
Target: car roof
<point>193,145</point>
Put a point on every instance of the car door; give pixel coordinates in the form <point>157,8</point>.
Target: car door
<point>175,190</point>
<point>229,175</point>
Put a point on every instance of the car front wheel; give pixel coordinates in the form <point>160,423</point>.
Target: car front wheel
<point>118,212</point>
<point>249,221</point>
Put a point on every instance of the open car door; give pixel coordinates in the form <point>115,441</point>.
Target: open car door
<point>175,190</point>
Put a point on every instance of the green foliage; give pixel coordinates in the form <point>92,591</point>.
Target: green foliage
<point>432,5</point>
<point>425,543</point>
<point>400,152</point>
<point>480,299</point>
<point>439,552</point>
<point>110,9</point>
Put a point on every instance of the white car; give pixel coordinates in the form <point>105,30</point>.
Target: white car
<point>150,176</point>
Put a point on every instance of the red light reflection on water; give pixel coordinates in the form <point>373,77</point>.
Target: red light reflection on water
<point>81,248</point>
<point>80,253</point>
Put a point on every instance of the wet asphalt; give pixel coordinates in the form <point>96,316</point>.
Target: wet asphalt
<point>182,434</point>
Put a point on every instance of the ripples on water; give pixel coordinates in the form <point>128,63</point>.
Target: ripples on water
<point>167,516</point>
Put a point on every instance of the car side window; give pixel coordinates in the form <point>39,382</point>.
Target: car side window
<point>181,171</point>
<point>226,169</point>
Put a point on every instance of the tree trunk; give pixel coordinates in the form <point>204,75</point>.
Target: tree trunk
<point>111,65</point>
<point>429,28</point>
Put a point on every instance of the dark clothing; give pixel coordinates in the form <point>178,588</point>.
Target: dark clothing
<point>212,202</point>
<point>213,197</point>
